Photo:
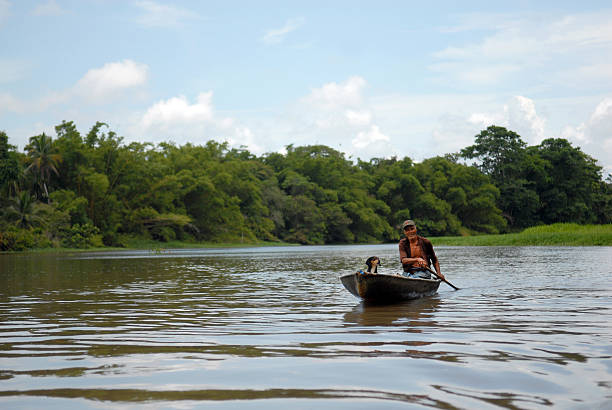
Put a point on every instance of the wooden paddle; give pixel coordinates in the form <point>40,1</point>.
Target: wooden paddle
<point>443,280</point>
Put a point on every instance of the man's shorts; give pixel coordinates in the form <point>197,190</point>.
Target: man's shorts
<point>419,274</point>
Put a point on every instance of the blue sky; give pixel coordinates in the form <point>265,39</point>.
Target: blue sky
<point>375,78</point>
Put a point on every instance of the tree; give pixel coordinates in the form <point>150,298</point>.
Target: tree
<point>471,196</point>
<point>10,168</point>
<point>499,151</point>
<point>74,153</point>
<point>572,186</point>
<point>24,211</point>
<point>43,160</point>
<point>305,223</point>
<point>342,193</point>
<point>502,155</point>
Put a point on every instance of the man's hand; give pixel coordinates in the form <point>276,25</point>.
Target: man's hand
<point>420,263</point>
<point>415,262</point>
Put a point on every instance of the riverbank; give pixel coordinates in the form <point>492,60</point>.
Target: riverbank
<point>158,247</point>
<point>561,234</point>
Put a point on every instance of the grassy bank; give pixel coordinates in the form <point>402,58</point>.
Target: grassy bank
<point>157,247</point>
<point>561,234</point>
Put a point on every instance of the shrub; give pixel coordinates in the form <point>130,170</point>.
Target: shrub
<point>15,239</point>
<point>81,236</point>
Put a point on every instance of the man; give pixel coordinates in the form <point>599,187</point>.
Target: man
<point>417,253</point>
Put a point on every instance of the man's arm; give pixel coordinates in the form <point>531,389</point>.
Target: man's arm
<point>437,267</point>
<point>434,258</point>
<point>403,254</point>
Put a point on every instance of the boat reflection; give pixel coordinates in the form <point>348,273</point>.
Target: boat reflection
<point>413,313</point>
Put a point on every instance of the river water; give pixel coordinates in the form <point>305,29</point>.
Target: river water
<point>273,328</point>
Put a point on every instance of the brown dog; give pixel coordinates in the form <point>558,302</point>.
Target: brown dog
<point>373,263</point>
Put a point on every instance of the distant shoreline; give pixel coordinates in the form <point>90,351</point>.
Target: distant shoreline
<point>156,247</point>
<point>560,234</point>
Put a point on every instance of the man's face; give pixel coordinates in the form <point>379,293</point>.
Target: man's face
<point>410,231</point>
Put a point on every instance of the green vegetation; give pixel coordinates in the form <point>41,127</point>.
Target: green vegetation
<point>560,234</point>
<point>92,191</point>
<point>544,184</point>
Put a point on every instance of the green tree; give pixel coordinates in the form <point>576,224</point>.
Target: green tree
<point>340,191</point>
<point>502,155</point>
<point>43,160</point>
<point>74,153</point>
<point>75,207</point>
<point>24,211</point>
<point>395,184</point>
<point>499,151</point>
<point>572,187</point>
<point>10,168</point>
<point>305,223</point>
<point>471,196</point>
<point>603,202</point>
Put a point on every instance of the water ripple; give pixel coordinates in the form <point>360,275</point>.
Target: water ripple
<point>197,326</point>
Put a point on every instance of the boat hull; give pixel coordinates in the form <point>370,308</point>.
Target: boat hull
<point>388,288</point>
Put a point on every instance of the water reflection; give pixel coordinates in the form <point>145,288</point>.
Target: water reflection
<point>411,315</point>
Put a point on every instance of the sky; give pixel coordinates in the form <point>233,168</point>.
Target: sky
<point>368,78</point>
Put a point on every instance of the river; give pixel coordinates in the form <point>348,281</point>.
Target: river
<point>273,328</point>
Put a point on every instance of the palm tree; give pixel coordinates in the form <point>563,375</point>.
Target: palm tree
<point>43,159</point>
<point>24,210</point>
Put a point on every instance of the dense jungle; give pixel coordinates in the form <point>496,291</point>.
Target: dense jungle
<point>93,190</point>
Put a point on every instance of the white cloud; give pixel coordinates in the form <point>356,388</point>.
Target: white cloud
<point>181,121</point>
<point>595,134</point>
<point>369,138</point>
<point>523,119</point>
<point>576,133</point>
<point>109,81</point>
<point>336,114</point>
<point>98,85</point>
<point>339,114</point>
<point>422,126</point>
<point>535,44</point>
<point>456,126</point>
<point>425,125</point>
<point>358,118</point>
<point>178,111</point>
<point>244,137</point>
<point>161,15</point>
<point>518,114</point>
<point>276,36</point>
<point>485,119</point>
<point>333,95</point>
<point>603,111</point>
<point>49,8</point>
<point>452,132</point>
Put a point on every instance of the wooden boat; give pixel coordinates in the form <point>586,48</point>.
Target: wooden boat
<point>380,287</point>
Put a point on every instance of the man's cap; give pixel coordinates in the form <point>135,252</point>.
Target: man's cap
<point>408,222</point>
